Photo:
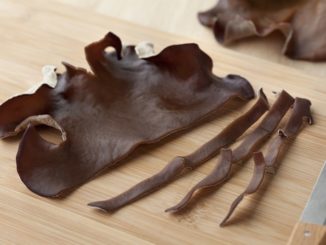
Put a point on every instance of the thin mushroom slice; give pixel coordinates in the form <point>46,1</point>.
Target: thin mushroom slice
<point>127,101</point>
<point>299,117</point>
<point>253,186</point>
<point>250,144</point>
<point>179,164</point>
<point>219,175</point>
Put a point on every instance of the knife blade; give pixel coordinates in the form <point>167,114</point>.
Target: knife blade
<point>311,229</point>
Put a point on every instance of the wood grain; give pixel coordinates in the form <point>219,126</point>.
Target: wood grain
<point>38,32</point>
<point>308,234</point>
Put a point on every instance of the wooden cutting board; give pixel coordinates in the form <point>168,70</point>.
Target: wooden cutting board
<point>34,33</point>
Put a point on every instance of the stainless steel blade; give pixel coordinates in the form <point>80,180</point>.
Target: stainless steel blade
<point>315,210</point>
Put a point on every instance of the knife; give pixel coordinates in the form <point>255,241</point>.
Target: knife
<point>311,229</point>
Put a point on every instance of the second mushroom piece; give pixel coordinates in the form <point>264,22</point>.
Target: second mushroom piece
<point>302,22</point>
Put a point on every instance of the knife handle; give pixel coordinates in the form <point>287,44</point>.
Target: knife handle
<point>308,234</point>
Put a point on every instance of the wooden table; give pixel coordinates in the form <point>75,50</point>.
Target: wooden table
<point>38,32</point>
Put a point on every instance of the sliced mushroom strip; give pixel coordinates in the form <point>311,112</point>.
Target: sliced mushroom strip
<point>299,117</point>
<point>253,185</point>
<point>127,101</point>
<point>180,164</point>
<point>250,144</point>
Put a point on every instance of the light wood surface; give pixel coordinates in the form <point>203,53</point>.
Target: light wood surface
<point>308,234</point>
<point>38,32</point>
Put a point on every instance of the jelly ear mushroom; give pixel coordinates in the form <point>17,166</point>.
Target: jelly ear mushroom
<point>105,115</point>
<point>297,20</point>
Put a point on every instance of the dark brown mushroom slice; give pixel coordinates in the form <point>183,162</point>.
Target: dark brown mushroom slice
<point>126,102</point>
<point>180,164</point>
<point>253,186</point>
<point>249,145</point>
<point>301,21</point>
<point>299,117</point>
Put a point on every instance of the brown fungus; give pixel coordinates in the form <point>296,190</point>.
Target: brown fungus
<point>300,115</point>
<point>180,164</point>
<point>302,22</point>
<point>253,185</point>
<point>250,144</point>
<point>127,101</point>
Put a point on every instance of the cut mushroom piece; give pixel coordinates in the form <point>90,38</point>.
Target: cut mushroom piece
<point>127,101</point>
<point>179,165</point>
<point>253,185</point>
<point>299,117</point>
<point>250,144</point>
